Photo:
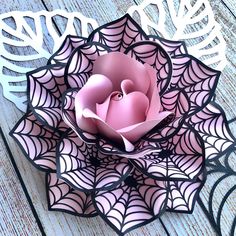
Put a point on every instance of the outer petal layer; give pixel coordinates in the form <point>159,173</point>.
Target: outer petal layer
<point>178,158</point>
<point>183,194</point>
<point>46,86</point>
<point>211,124</point>
<point>135,202</point>
<point>37,142</point>
<point>85,168</point>
<point>196,79</point>
<point>62,197</point>
<point>119,34</point>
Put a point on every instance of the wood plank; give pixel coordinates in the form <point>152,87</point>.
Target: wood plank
<point>230,5</point>
<point>13,201</point>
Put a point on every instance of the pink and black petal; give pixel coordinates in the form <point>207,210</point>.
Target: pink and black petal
<point>103,144</point>
<point>174,48</point>
<point>85,168</point>
<point>63,53</point>
<point>80,63</point>
<point>212,125</point>
<point>37,142</point>
<point>183,194</point>
<point>68,115</point>
<point>62,197</point>
<point>175,101</point>
<point>153,54</point>
<point>196,79</point>
<point>180,157</point>
<point>118,35</point>
<point>137,201</point>
<point>45,88</point>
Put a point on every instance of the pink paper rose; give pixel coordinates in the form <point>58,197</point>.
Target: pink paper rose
<point>120,100</point>
<point>122,123</point>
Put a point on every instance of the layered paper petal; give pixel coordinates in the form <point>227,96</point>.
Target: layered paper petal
<point>183,194</point>
<point>68,114</point>
<point>62,197</point>
<point>62,55</point>
<point>119,67</point>
<point>196,79</point>
<point>37,142</point>
<point>46,86</point>
<point>212,125</point>
<point>119,34</point>
<point>85,168</point>
<point>178,158</point>
<point>80,63</point>
<point>176,102</point>
<point>154,55</point>
<point>135,202</point>
<point>174,48</point>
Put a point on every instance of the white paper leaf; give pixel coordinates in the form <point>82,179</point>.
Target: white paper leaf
<point>24,32</point>
<point>23,40</point>
<point>190,20</point>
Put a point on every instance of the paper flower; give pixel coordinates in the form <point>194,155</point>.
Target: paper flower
<point>122,123</point>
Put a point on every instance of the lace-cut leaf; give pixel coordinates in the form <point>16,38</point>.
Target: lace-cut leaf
<point>45,87</point>
<point>31,34</point>
<point>62,197</point>
<point>196,79</point>
<point>80,63</point>
<point>180,157</point>
<point>118,35</point>
<point>191,21</point>
<point>37,142</point>
<point>183,194</point>
<point>135,202</point>
<point>212,125</point>
<point>85,168</point>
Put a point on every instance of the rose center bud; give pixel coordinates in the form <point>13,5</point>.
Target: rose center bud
<point>121,110</point>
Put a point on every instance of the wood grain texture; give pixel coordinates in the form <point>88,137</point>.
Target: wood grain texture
<point>56,223</point>
<point>16,217</point>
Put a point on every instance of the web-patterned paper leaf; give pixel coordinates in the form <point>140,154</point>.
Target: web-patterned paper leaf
<point>135,202</point>
<point>212,125</point>
<point>190,21</point>
<point>62,197</point>
<point>46,86</point>
<point>35,33</point>
<point>85,168</point>
<point>120,34</point>
<point>183,194</point>
<point>37,142</point>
